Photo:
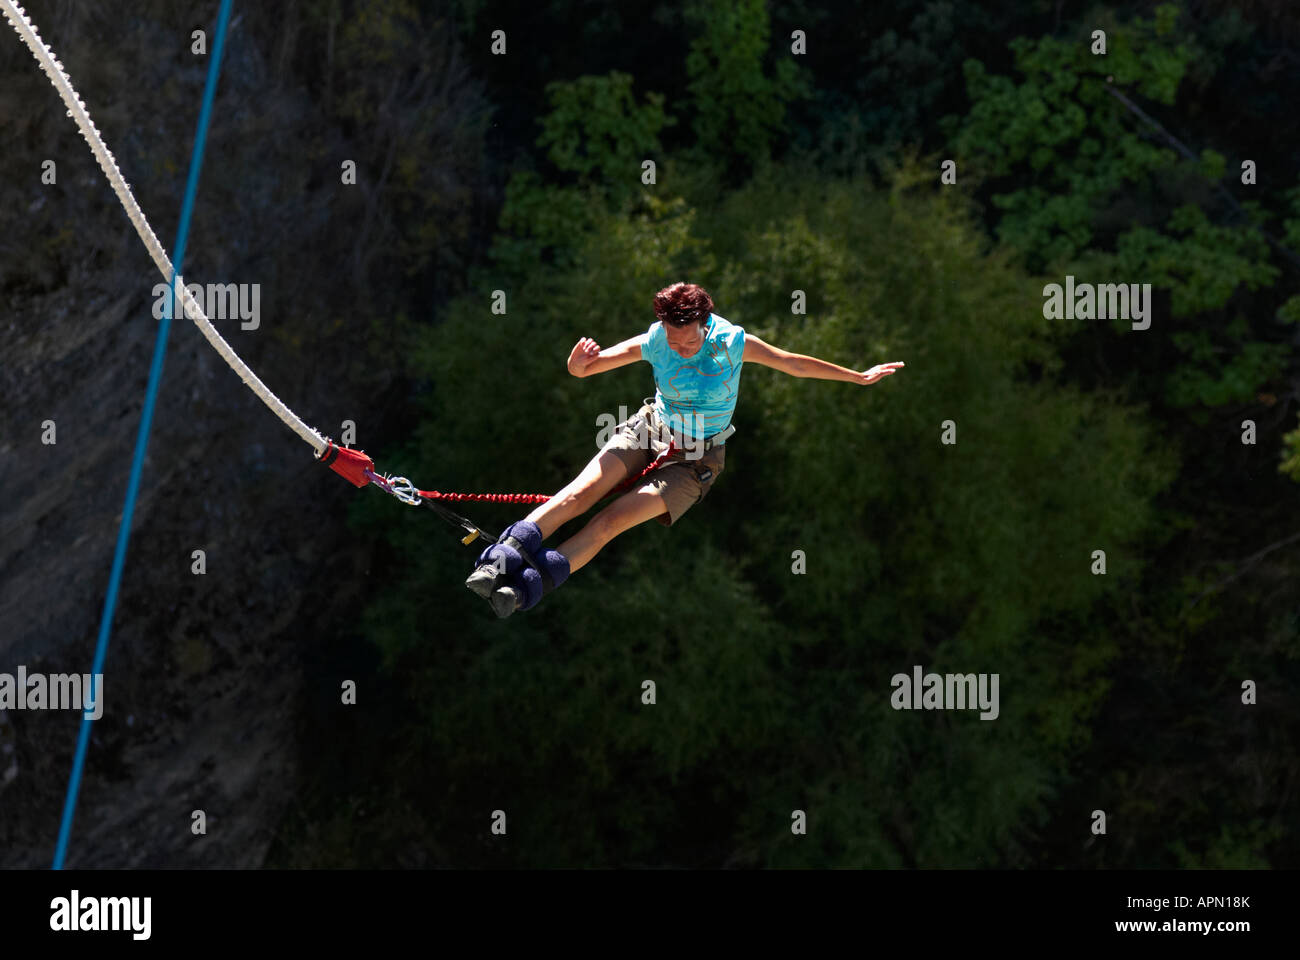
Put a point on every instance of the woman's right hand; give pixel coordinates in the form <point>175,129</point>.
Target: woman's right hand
<point>584,351</point>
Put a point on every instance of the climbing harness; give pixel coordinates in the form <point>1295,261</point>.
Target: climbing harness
<point>704,473</point>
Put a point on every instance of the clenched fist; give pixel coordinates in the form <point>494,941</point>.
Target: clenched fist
<point>584,351</point>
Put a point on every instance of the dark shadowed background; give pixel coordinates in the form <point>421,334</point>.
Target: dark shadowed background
<point>775,171</point>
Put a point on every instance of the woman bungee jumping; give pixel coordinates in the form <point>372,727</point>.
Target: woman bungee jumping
<point>696,358</point>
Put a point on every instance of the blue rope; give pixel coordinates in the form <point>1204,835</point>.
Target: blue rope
<point>142,437</point>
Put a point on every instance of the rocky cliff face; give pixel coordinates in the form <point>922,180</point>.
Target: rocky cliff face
<point>204,673</point>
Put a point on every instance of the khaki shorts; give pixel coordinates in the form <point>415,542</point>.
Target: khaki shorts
<point>682,482</point>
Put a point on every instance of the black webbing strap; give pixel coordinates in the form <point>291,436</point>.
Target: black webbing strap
<point>456,520</point>
<point>475,531</point>
<point>547,583</point>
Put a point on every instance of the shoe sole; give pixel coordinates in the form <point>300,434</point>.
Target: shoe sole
<point>503,602</point>
<point>484,580</point>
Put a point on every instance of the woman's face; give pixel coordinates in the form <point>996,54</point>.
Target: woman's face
<point>685,340</point>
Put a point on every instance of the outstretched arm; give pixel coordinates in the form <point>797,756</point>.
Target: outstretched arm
<point>798,365</point>
<point>587,358</point>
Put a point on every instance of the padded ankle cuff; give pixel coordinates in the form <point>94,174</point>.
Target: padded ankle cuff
<point>522,533</point>
<point>556,564</point>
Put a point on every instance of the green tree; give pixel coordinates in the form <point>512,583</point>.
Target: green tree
<point>597,134</point>
<point>1094,186</point>
<point>737,109</point>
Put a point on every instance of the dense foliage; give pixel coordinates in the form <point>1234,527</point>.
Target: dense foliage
<point>774,172</point>
<point>777,173</point>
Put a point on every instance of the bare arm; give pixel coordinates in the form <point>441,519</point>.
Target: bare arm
<point>799,365</point>
<point>587,358</point>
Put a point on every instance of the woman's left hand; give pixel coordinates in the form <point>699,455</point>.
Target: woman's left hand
<point>878,372</point>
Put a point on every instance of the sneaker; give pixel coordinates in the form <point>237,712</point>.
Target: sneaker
<point>505,601</point>
<point>485,578</point>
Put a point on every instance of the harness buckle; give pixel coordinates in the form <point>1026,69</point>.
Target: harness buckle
<point>720,437</point>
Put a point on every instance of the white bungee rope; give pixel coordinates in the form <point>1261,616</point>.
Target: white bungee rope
<point>77,110</point>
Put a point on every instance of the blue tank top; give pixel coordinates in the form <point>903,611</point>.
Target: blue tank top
<point>696,396</point>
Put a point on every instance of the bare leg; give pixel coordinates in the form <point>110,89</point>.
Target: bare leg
<point>599,477</point>
<point>635,506</point>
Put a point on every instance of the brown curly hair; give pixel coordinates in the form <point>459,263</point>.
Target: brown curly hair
<point>683,303</point>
